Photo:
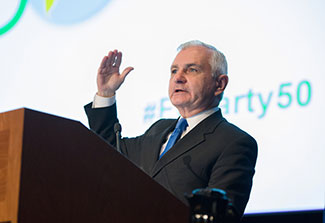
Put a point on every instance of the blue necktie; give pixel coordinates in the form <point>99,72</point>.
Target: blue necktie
<point>180,127</point>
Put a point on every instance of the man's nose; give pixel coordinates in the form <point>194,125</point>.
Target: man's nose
<point>179,77</point>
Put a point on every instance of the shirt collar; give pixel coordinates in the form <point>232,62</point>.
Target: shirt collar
<point>196,119</point>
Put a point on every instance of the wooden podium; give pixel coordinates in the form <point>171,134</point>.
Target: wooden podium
<point>56,170</point>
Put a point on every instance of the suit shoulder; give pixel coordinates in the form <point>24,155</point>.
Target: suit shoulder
<point>234,131</point>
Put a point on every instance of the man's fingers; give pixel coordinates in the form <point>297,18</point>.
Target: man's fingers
<point>110,59</point>
<point>118,59</point>
<point>111,64</point>
<point>126,71</point>
<point>103,63</point>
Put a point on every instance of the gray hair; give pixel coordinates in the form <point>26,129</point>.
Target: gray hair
<point>218,61</point>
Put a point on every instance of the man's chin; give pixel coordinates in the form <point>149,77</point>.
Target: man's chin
<point>178,102</point>
<point>179,99</point>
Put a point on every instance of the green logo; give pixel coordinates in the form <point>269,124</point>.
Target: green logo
<point>59,12</point>
<point>12,22</point>
<point>67,12</point>
<point>48,5</point>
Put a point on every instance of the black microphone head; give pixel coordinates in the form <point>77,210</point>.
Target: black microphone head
<point>117,127</point>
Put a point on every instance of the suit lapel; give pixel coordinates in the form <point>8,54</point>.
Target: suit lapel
<point>156,146</point>
<point>189,141</point>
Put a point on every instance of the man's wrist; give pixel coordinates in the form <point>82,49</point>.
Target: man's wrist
<point>105,94</point>
<point>101,102</point>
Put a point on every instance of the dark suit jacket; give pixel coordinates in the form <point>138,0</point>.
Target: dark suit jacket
<point>214,154</point>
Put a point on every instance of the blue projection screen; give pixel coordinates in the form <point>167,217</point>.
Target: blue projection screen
<point>50,51</point>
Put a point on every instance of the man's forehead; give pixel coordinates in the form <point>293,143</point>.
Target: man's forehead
<point>192,55</point>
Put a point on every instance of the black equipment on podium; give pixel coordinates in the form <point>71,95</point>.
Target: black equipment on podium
<point>210,205</point>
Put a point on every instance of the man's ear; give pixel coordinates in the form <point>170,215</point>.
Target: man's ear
<point>221,83</point>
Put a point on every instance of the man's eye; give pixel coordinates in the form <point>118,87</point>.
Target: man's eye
<point>192,70</point>
<point>174,71</point>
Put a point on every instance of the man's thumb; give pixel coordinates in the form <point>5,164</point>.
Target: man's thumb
<point>126,71</point>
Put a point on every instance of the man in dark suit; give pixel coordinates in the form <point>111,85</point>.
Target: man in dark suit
<point>207,151</point>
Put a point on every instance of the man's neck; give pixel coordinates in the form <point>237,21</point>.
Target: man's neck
<point>187,113</point>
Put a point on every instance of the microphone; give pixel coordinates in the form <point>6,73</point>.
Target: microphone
<point>117,130</point>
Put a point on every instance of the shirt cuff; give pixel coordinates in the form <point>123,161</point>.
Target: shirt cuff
<point>101,102</point>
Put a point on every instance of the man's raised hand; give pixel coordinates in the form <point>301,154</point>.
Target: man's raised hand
<point>109,78</point>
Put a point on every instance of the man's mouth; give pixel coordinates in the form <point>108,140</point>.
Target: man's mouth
<point>179,90</point>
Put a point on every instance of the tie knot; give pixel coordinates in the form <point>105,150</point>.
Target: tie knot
<point>181,124</point>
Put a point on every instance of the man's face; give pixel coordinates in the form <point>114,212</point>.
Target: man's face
<point>191,86</point>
